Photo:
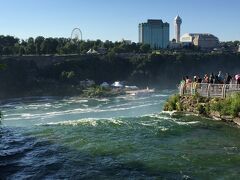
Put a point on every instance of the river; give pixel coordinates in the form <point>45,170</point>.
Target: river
<point>126,137</point>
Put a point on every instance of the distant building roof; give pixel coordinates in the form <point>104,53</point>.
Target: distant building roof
<point>157,22</point>
<point>199,34</point>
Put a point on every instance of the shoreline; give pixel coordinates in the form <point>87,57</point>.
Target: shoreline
<point>203,107</point>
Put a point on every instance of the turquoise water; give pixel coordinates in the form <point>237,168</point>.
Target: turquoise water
<point>114,138</point>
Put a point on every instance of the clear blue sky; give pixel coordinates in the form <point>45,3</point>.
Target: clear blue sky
<point>116,19</point>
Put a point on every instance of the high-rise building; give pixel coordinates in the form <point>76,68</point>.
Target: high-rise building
<point>177,25</point>
<point>155,33</point>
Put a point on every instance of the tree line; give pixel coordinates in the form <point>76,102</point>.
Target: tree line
<point>40,45</point>
<point>10,45</point>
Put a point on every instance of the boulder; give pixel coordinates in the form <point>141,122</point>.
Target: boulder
<point>237,121</point>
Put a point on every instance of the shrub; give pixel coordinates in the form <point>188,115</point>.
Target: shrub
<point>228,106</point>
<point>173,103</point>
<point>235,105</point>
<point>201,109</point>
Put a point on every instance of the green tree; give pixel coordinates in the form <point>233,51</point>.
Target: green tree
<point>38,43</point>
<point>30,49</point>
<point>145,48</point>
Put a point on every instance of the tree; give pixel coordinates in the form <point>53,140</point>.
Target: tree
<point>38,42</point>
<point>49,46</point>
<point>30,49</point>
<point>145,48</point>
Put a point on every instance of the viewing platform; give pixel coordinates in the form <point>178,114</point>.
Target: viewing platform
<point>209,90</point>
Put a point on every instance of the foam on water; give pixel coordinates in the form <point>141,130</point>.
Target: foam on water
<point>87,121</point>
<point>113,138</point>
<point>79,107</point>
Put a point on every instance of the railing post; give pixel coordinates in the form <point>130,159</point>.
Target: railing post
<point>208,90</point>
<point>224,91</point>
<point>191,89</point>
<point>181,89</point>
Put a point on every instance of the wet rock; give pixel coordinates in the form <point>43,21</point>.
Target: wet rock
<point>215,114</point>
<point>237,121</point>
<point>227,118</point>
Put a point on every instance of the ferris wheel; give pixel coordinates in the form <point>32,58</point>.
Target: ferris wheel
<point>76,34</point>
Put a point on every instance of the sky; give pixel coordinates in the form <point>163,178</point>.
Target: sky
<point>117,19</point>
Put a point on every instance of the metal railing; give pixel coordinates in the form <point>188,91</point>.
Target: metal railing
<point>208,90</point>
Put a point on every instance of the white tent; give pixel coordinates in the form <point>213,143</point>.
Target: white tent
<point>117,84</point>
<point>92,51</point>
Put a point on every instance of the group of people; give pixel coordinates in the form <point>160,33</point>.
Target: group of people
<point>188,85</point>
<point>213,79</point>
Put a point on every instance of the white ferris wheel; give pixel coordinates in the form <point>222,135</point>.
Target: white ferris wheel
<point>76,34</point>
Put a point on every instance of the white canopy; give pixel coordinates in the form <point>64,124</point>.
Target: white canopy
<point>117,84</point>
<point>92,51</point>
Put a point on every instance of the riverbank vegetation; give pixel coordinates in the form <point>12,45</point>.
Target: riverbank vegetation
<point>100,92</point>
<point>225,109</point>
<point>228,107</point>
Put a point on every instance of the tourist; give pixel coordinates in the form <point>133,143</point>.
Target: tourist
<point>237,77</point>
<point>199,80</point>
<point>188,80</point>
<point>182,86</point>
<point>216,80</point>
<point>206,79</point>
<point>212,79</point>
<point>194,85</point>
<point>220,77</point>
<point>227,79</point>
<point>194,78</point>
<point>188,85</point>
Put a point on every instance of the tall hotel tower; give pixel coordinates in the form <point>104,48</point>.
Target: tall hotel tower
<point>155,33</point>
<point>177,24</point>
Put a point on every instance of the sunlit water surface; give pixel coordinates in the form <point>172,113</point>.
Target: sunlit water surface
<point>125,137</point>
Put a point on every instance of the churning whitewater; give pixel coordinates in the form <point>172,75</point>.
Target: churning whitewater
<point>117,138</point>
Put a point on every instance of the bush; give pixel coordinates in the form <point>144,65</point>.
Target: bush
<point>201,109</point>
<point>235,105</point>
<point>229,106</point>
<point>68,75</point>
<point>99,92</point>
<point>173,103</point>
